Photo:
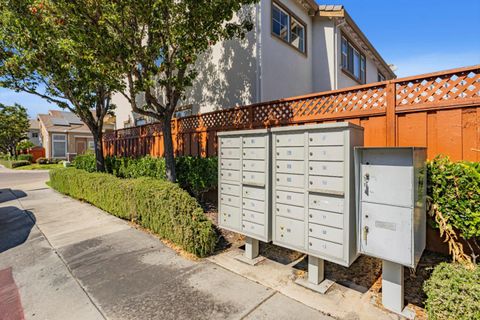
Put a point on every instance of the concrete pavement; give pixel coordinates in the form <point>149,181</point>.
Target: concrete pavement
<point>71,260</point>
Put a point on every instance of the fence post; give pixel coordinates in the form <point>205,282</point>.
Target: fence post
<point>391,120</point>
<point>250,117</point>
<point>175,136</point>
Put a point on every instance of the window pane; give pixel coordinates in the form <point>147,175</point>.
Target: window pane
<point>356,64</point>
<point>298,31</point>
<point>59,137</point>
<point>344,53</point>
<point>279,23</point>
<point>59,149</point>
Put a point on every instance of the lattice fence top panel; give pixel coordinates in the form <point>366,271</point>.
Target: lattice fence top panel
<point>451,87</point>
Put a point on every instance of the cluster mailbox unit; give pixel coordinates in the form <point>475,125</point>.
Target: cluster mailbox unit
<point>313,192</point>
<point>391,189</point>
<point>244,182</point>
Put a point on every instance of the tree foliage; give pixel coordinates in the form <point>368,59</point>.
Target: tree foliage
<point>14,126</point>
<point>46,51</point>
<point>157,42</point>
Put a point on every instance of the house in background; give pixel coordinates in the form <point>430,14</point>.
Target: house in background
<point>64,135</point>
<point>296,47</point>
<point>34,132</point>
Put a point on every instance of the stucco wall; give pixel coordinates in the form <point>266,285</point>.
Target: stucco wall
<point>285,71</point>
<point>324,54</point>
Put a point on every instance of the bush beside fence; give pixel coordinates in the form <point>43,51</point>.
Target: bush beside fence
<point>194,174</point>
<point>157,205</point>
<point>453,292</point>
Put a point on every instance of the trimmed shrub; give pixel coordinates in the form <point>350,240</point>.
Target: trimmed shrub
<point>27,157</point>
<point>197,175</point>
<point>157,205</point>
<point>42,160</point>
<point>453,292</point>
<point>194,174</point>
<point>85,162</point>
<point>19,163</point>
<point>454,197</point>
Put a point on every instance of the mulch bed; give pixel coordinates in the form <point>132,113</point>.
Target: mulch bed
<point>363,275</point>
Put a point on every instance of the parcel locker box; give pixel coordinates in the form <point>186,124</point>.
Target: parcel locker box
<point>313,204</point>
<point>244,183</point>
<point>391,188</point>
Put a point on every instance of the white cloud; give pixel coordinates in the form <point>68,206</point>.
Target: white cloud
<point>435,62</point>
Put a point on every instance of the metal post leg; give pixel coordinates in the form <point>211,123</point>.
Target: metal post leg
<point>251,248</point>
<point>315,270</point>
<point>392,286</point>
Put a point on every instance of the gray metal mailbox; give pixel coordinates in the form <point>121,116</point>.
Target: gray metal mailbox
<point>391,188</point>
<point>244,184</point>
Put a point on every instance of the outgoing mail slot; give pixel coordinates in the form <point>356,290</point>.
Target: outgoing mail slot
<point>257,178</point>
<point>254,165</point>
<point>254,142</point>
<point>254,205</point>
<point>294,153</point>
<point>295,167</point>
<point>326,153</point>
<point>290,180</point>
<point>230,164</point>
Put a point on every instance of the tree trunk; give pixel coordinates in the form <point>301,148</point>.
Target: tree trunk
<point>98,143</point>
<point>168,147</point>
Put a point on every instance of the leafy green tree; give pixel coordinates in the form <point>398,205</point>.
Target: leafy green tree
<point>14,125</point>
<point>46,51</point>
<point>25,144</point>
<point>157,42</point>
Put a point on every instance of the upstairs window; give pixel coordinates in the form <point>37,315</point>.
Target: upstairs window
<point>380,77</point>
<point>354,62</point>
<point>288,28</point>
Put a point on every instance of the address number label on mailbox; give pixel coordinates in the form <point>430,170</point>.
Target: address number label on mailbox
<point>292,153</point>
<point>291,198</point>
<point>254,142</point>
<point>295,167</point>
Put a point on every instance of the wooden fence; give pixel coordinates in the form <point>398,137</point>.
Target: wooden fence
<point>438,110</point>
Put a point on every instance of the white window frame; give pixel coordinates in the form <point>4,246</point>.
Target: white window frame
<point>348,51</point>
<point>90,145</point>
<point>290,18</point>
<point>58,141</point>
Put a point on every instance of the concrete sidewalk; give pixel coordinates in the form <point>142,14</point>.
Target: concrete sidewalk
<point>71,260</point>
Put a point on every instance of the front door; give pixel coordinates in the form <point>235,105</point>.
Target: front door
<point>81,145</point>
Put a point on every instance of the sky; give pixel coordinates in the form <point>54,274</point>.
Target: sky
<point>417,36</point>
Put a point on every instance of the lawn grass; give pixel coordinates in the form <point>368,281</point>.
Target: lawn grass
<point>36,166</point>
<point>6,163</point>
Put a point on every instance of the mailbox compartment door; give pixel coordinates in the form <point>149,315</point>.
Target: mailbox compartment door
<point>386,232</point>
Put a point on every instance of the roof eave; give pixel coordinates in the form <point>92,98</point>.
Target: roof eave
<point>355,27</point>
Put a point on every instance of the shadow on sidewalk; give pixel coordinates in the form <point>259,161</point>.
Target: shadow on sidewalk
<point>15,227</point>
<point>9,195</point>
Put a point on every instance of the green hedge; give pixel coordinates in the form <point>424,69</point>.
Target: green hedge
<point>27,157</point>
<point>194,174</point>
<point>453,292</point>
<point>14,163</point>
<point>454,188</point>
<point>157,205</point>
